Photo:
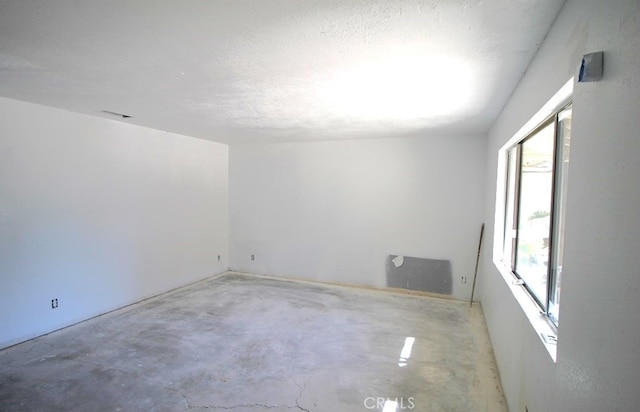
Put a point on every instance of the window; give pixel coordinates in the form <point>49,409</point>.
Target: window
<point>537,170</point>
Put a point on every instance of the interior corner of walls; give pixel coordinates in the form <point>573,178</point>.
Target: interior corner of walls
<point>136,211</point>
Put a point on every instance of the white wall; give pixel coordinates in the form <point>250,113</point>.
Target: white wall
<point>598,356</point>
<point>333,211</point>
<point>100,214</point>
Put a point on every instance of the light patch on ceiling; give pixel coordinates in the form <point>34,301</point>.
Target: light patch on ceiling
<point>398,89</point>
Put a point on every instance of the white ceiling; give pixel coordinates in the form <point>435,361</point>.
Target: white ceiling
<point>242,71</point>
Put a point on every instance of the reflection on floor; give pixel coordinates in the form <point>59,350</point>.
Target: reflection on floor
<point>248,343</point>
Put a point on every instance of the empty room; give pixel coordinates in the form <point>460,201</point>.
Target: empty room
<point>336,205</point>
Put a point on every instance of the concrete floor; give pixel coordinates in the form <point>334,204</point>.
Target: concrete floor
<point>248,343</point>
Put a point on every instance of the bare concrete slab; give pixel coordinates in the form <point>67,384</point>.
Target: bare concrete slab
<point>249,343</point>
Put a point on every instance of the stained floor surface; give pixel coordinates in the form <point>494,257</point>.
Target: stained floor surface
<point>247,343</point>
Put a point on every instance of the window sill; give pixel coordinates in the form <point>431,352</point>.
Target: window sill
<point>546,333</point>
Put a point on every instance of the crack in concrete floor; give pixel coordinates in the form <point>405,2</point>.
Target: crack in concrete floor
<point>302,388</point>
<point>252,406</point>
<point>255,405</point>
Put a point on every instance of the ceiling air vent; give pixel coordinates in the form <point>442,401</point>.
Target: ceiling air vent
<point>124,116</point>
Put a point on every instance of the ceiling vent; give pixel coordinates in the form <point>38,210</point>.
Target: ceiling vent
<point>122,115</point>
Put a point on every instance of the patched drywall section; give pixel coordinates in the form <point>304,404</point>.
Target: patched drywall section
<point>422,274</point>
<point>334,211</point>
<point>598,359</point>
<point>99,214</point>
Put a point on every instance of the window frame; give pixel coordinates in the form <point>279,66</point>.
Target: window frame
<point>512,209</point>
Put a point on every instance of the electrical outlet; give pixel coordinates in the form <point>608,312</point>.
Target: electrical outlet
<point>54,303</point>
<point>253,257</point>
<point>463,279</point>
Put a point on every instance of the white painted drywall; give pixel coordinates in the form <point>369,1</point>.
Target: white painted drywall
<point>333,211</point>
<point>100,214</point>
<point>598,357</point>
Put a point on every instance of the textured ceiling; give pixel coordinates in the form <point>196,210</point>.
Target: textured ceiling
<point>242,71</point>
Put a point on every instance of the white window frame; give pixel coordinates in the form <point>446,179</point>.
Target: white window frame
<point>539,319</point>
